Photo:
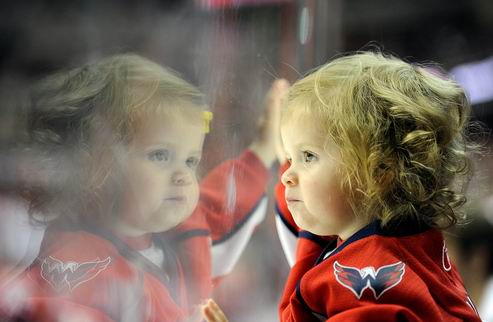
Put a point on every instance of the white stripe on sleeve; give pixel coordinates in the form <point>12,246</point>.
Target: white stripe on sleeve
<point>226,253</point>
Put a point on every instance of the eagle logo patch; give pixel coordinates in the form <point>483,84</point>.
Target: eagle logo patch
<point>379,281</point>
<point>64,276</point>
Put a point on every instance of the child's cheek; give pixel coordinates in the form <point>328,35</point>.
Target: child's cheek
<point>194,195</point>
<point>313,187</point>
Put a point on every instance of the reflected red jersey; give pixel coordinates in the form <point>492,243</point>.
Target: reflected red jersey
<point>97,276</point>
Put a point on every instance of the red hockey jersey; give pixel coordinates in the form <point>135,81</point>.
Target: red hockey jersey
<point>401,273</point>
<point>93,274</point>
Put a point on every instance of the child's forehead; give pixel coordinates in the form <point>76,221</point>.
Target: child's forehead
<point>158,129</point>
<point>304,125</point>
<point>171,120</point>
<point>169,112</point>
<point>300,114</point>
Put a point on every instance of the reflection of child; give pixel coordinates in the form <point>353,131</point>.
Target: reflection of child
<point>120,142</point>
<point>373,145</point>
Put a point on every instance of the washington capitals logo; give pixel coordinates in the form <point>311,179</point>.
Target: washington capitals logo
<point>68,275</point>
<point>379,281</point>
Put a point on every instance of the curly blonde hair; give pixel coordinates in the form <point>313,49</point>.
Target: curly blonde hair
<point>401,134</point>
<point>79,123</point>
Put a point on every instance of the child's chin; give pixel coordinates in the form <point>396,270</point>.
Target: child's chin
<point>179,216</point>
<point>297,219</point>
<point>304,226</point>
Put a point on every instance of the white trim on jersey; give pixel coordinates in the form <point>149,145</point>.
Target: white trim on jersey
<point>486,305</point>
<point>288,240</point>
<point>154,254</point>
<point>226,253</point>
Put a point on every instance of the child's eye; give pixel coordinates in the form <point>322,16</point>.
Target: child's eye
<point>309,157</point>
<point>161,155</point>
<point>192,162</point>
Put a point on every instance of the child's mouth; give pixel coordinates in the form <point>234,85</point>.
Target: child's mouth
<point>291,200</point>
<point>176,199</point>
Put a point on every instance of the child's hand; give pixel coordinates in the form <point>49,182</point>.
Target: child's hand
<point>267,146</point>
<point>212,312</point>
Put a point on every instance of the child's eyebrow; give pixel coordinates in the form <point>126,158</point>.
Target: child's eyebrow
<point>149,147</point>
<point>302,146</point>
<point>169,146</point>
<point>159,145</point>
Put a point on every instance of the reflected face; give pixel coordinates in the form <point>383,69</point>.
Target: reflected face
<point>160,188</point>
<point>313,181</point>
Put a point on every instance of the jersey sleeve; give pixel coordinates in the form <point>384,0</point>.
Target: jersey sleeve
<point>232,203</point>
<point>292,306</point>
<point>287,230</point>
<point>232,194</point>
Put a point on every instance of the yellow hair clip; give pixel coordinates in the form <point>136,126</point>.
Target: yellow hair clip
<point>207,115</point>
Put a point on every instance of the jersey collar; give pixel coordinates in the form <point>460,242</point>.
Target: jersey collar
<point>401,228</point>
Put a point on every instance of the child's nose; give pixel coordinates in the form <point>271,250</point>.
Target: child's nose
<point>289,178</point>
<point>181,177</point>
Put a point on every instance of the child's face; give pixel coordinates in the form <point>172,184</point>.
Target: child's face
<point>160,186</point>
<point>313,180</point>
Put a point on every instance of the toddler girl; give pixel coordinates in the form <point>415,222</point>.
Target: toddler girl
<point>375,152</point>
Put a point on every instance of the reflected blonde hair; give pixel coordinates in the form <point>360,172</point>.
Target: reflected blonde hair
<point>400,132</point>
<point>80,122</point>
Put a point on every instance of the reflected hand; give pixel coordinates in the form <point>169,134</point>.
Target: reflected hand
<point>212,312</point>
<point>267,146</point>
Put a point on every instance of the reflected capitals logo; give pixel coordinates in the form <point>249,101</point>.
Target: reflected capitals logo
<point>64,276</point>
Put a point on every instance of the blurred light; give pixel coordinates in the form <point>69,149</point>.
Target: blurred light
<point>477,80</point>
<point>304,26</point>
<point>222,4</point>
